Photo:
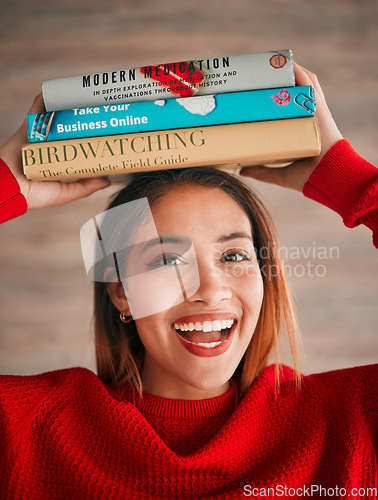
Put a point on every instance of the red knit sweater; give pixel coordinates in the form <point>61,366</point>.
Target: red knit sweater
<point>12,202</point>
<point>66,435</point>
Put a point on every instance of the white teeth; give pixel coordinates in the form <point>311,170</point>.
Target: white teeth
<point>209,344</point>
<point>216,326</point>
<point>206,326</point>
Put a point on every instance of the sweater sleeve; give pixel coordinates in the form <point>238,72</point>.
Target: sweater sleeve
<point>346,183</point>
<point>12,202</point>
<point>22,396</point>
<point>351,392</point>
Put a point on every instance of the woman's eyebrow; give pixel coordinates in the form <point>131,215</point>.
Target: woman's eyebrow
<point>234,236</point>
<point>160,240</point>
<point>182,240</point>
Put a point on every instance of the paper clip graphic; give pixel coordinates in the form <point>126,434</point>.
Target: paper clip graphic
<point>41,126</point>
<point>307,102</point>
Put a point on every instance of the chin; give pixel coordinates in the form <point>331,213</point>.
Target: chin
<point>209,380</point>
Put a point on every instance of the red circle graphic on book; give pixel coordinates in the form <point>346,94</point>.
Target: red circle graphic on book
<point>278,61</point>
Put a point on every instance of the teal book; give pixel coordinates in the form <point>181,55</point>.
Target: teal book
<point>186,112</point>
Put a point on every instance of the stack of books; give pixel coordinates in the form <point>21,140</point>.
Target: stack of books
<point>238,110</point>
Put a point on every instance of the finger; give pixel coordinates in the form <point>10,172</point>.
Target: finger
<point>305,77</point>
<point>20,137</point>
<point>80,189</point>
<point>293,176</point>
<point>301,77</point>
<point>265,174</point>
<point>38,105</point>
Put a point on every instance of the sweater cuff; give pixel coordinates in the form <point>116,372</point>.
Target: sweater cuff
<point>12,202</point>
<point>339,181</point>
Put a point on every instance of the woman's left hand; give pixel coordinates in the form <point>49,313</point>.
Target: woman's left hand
<point>297,174</point>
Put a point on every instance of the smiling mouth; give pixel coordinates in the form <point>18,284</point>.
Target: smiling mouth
<point>207,334</point>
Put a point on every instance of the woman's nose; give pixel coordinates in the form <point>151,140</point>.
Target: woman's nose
<point>213,286</point>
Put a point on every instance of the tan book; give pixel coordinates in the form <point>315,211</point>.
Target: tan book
<point>243,144</point>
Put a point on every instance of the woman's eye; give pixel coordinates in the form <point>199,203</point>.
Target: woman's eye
<point>235,257</point>
<point>166,260</point>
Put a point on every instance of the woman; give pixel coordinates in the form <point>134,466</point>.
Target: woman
<point>185,405</point>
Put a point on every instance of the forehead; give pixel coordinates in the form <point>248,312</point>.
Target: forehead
<point>192,209</point>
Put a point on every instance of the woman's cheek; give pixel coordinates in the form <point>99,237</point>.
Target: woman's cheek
<point>248,281</point>
<point>246,272</point>
<point>159,289</point>
<point>148,295</point>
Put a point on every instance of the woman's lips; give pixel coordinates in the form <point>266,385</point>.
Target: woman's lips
<point>199,337</point>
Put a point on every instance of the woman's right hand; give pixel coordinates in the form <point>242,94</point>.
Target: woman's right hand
<point>47,193</point>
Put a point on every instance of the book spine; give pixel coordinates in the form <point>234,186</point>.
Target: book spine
<point>171,80</point>
<point>242,143</point>
<point>200,111</point>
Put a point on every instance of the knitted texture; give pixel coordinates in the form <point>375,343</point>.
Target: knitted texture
<point>12,202</point>
<point>65,434</point>
<point>203,418</point>
<point>346,183</point>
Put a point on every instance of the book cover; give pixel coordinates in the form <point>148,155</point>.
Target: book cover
<point>199,111</point>
<point>242,143</point>
<point>171,80</point>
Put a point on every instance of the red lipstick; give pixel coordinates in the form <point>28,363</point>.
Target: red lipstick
<point>206,351</point>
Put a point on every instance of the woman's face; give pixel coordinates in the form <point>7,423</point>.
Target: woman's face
<point>194,346</point>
